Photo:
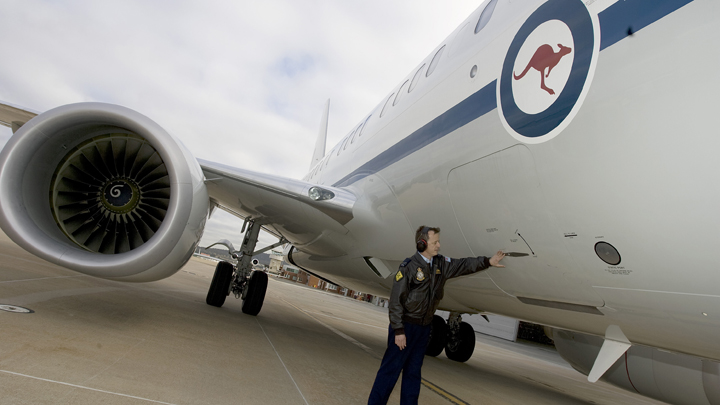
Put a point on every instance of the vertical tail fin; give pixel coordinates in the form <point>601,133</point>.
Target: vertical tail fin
<point>319,152</point>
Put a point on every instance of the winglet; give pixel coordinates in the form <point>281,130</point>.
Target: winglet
<point>614,346</point>
<point>322,136</point>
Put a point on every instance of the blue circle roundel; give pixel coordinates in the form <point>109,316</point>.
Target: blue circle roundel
<point>547,70</point>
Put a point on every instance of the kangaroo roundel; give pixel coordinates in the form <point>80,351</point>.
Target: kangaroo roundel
<point>547,70</point>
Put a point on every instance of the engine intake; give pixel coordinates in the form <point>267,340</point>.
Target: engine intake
<point>103,190</point>
<point>111,193</point>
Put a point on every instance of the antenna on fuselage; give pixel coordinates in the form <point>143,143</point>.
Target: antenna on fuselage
<point>322,136</point>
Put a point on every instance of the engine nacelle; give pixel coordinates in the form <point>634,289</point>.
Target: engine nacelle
<point>671,377</point>
<point>102,190</point>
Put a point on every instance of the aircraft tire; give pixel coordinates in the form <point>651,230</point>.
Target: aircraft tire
<point>256,293</point>
<point>465,346</point>
<point>438,337</point>
<point>220,284</point>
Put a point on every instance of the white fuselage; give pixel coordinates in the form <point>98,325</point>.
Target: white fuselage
<point>634,166</point>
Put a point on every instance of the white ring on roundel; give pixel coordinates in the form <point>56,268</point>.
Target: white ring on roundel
<point>527,91</point>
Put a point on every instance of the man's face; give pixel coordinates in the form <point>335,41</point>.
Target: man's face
<point>433,243</point>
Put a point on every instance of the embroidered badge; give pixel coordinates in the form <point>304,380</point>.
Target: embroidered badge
<point>420,275</point>
<point>398,276</point>
<point>437,271</point>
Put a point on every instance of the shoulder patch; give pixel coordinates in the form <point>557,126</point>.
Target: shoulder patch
<point>405,262</point>
<point>399,275</point>
<point>447,259</point>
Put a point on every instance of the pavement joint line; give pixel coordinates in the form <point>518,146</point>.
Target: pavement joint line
<point>41,278</point>
<point>85,388</point>
<point>116,361</point>
<point>432,387</point>
<point>281,360</point>
<point>39,263</point>
<point>346,320</point>
<point>337,332</point>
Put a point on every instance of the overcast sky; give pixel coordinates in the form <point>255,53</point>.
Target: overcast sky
<point>239,82</point>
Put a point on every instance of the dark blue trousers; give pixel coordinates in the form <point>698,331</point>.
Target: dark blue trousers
<point>408,360</point>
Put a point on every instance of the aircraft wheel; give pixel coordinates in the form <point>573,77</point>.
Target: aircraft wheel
<point>461,346</point>
<point>438,337</point>
<point>220,284</point>
<point>256,293</point>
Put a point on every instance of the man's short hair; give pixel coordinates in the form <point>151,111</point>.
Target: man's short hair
<point>420,235</point>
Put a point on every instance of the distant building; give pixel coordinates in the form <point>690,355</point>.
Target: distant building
<point>276,262</point>
<point>290,272</point>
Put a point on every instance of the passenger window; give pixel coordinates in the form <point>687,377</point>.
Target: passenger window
<point>386,105</point>
<point>485,15</point>
<point>364,125</point>
<point>415,78</point>
<point>435,61</point>
<point>400,92</point>
<point>357,132</point>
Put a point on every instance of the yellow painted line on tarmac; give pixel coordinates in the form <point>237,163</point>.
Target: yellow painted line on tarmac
<point>450,397</point>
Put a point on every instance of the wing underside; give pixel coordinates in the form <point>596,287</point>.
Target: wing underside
<point>291,208</point>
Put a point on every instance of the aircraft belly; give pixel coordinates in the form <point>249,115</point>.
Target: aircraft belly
<point>500,206</point>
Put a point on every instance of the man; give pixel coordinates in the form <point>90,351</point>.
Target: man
<point>416,293</point>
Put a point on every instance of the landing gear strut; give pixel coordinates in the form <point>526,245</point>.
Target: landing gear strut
<point>460,339</point>
<point>241,280</point>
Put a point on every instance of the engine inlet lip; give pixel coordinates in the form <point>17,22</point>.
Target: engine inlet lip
<point>28,152</point>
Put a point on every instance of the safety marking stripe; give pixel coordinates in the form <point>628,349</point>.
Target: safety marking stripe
<point>432,387</point>
<point>450,397</point>
<point>85,388</point>
<point>281,361</point>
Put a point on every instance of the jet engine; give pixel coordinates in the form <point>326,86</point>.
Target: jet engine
<point>102,190</point>
<point>671,377</point>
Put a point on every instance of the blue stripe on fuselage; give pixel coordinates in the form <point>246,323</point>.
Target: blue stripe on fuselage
<point>478,104</point>
<point>629,16</point>
<point>616,22</point>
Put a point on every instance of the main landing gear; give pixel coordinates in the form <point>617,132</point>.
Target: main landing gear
<point>241,280</point>
<point>457,338</point>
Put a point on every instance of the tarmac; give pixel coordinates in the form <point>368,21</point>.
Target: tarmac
<point>91,341</point>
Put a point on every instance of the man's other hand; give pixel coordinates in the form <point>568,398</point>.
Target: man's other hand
<point>400,341</point>
<point>494,261</point>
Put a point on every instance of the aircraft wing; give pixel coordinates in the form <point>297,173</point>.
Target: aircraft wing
<point>14,116</point>
<point>298,210</point>
<point>288,207</point>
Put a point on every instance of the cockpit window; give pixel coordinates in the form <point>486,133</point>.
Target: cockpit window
<point>485,15</point>
<point>435,61</point>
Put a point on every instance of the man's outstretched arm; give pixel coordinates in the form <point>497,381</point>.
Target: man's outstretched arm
<point>469,265</point>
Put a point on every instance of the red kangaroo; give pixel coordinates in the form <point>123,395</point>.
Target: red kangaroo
<point>544,58</point>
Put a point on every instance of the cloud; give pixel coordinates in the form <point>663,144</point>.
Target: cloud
<point>241,83</point>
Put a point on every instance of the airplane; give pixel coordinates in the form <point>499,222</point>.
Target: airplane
<point>578,136</point>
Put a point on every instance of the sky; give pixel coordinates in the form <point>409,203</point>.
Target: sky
<point>241,83</point>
